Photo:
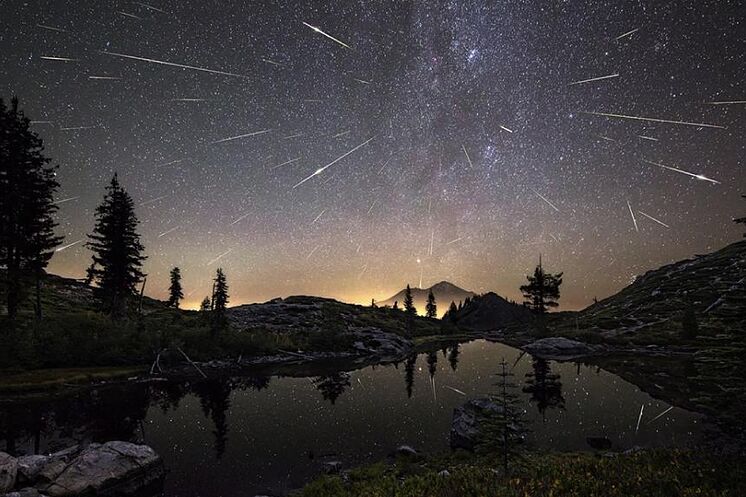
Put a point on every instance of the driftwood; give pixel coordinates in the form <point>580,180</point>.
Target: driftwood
<point>156,363</point>
<point>192,362</point>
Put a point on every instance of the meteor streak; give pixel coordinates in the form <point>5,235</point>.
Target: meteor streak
<point>169,163</point>
<point>628,33</point>
<point>292,136</point>
<point>286,163</point>
<point>313,251</point>
<point>545,200</point>
<point>77,128</point>
<point>318,217</point>
<point>150,7</point>
<point>328,36</point>
<point>634,221</point>
<point>268,61</point>
<point>343,133</point>
<point>65,200</point>
<point>51,28</point>
<point>654,120</point>
<point>188,99</point>
<point>639,418</point>
<point>362,81</point>
<point>322,169</point>
<point>731,102</point>
<point>700,177</point>
<point>373,204</point>
<point>153,200</point>
<point>654,219</point>
<point>456,240</point>
<point>506,129</point>
<point>643,137</point>
<point>61,59</point>
<point>40,122</point>
<point>60,249</point>
<point>253,133</point>
<point>219,257</point>
<point>168,231</point>
<point>241,218</point>
<point>127,14</point>
<point>467,156</point>
<point>590,80</point>
<point>173,64</point>
<point>661,414</point>
<point>112,78</point>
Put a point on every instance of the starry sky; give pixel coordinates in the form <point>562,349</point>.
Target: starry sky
<point>347,148</point>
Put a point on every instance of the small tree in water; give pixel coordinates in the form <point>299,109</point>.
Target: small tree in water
<point>542,291</point>
<point>116,247</point>
<point>175,293</point>
<point>431,309</point>
<point>503,430</point>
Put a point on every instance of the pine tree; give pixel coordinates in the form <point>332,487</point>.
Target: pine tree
<point>503,430</point>
<point>396,305</point>
<point>175,293</point>
<point>205,305</point>
<point>542,290</point>
<point>431,309</point>
<point>741,220</point>
<point>409,302</point>
<point>117,251</point>
<point>27,188</point>
<point>451,313</point>
<point>219,300</point>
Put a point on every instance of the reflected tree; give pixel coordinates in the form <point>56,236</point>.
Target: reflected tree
<point>453,354</point>
<point>545,387</point>
<point>332,386</point>
<point>215,399</point>
<point>432,363</point>
<point>409,373</point>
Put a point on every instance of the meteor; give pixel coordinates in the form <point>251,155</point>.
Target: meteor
<point>373,204</point>
<point>241,218</point>
<point>385,164</point>
<point>606,138</point>
<point>173,64</point>
<point>292,136</point>
<point>545,200</point>
<point>150,7</point>
<point>111,78</point>
<point>318,217</point>
<point>168,231</point>
<point>362,81</point>
<point>61,59</point>
<point>328,36</point>
<point>188,99</point>
<point>313,251</point>
<point>650,138</point>
<point>654,219</point>
<point>661,414</point>
<point>456,240</point>
<point>268,61</point>
<point>506,129</point>
<point>731,102</point>
<point>634,221</point>
<point>65,200</point>
<point>77,128</point>
<point>253,133</point>
<point>322,169</point>
<point>432,237</point>
<point>169,163</point>
<point>628,33</point>
<point>153,200</point>
<point>654,120</point>
<point>700,177</point>
<point>60,249</point>
<point>41,122</point>
<point>219,257</point>
<point>52,28</point>
<point>286,163</point>
<point>467,156</point>
<point>590,80</point>
<point>343,133</point>
<point>127,14</point>
<point>639,418</point>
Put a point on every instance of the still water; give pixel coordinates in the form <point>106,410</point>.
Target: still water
<point>268,435</point>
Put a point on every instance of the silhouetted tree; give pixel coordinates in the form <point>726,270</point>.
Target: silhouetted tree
<point>409,365</point>
<point>544,386</point>
<point>409,302</point>
<point>27,188</point>
<point>396,305</point>
<point>542,290</point>
<point>204,306</point>
<point>741,220</point>
<point>503,430</point>
<point>373,303</point>
<point>219,300</point>
<point>450,314</point>
<point>175,293</point>
<point>215,399</point>
<point>332,386</point>
<point>431,309</point>
<point>116,247</point>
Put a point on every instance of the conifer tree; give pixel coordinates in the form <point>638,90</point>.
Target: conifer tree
<point>431,309</point>
<point>503,430</point>
<point>205,305</point>
<point>219,300</point>
<point>396,305</point>
<point>117,251</point>
<point>409,302</point>
<point>175,293</point>
<point>542,291</point>
<point>27,188</point>
<point>450,314</point>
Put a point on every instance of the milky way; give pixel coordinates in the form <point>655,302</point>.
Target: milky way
<point>493,132</point>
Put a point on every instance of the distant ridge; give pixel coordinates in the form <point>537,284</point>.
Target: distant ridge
<point>490,312</point>
<point>445,292</point>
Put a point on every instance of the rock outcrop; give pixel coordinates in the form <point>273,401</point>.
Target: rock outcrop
<point>111,469</point>
<point>558,348</point>
<point>466,424</point>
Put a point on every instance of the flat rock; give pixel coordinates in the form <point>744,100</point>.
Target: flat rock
<point>29,467</point>
<point>8,472</point>
<point>466,419</point>
<point>557,348</point>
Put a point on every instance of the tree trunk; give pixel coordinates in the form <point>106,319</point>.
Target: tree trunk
<point>38,294</point>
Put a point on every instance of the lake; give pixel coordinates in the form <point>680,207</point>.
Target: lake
<point>268,435</point>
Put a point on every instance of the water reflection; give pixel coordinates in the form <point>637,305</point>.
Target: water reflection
<point>252,435</point>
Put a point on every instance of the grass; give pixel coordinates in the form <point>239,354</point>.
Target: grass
<point>658,473</point>
<point>45,379</point>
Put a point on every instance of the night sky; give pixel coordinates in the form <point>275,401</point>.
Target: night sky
<point>466,149</point>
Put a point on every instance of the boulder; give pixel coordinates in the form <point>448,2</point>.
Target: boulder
<point>29,467</point>
<point>120,467</point>
<point>466,423</point>
<point>8,472</point>
<point>405,451</point>
<point>332,467</point>
<point>557,348</point>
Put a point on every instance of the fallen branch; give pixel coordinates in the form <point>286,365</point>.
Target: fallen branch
<point>192,362</point>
